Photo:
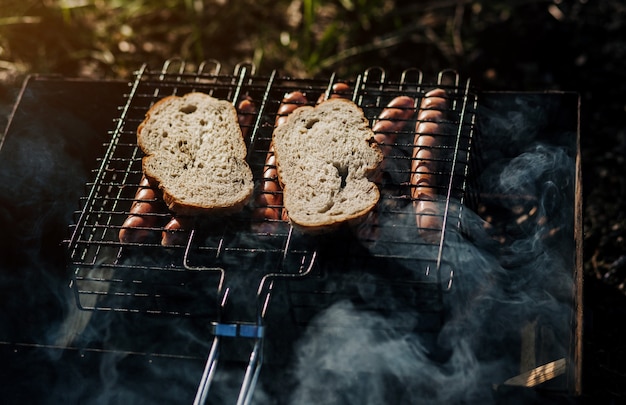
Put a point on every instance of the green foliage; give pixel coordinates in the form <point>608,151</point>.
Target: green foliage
<point>110,38</point>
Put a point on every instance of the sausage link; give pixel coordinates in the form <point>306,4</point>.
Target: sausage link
<point>433,106</point>
<point>290,102</point>
<point>269,201</point>
<point>338,90</point>
<point>391,120</point>
<point>135,229</point>
<point>271,186</point>
<point>341,90</point>
<point>429,131</point>
<point>143,215</point>
<point>246,110</point>
<point>176,231</point>
<point>429,219</point>
<point>425,161</point>
<point>429,135</point>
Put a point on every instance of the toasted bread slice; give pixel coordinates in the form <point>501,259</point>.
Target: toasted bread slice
<point>195,152</point>
<point>324,155</point>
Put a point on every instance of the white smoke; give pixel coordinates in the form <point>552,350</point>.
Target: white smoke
<point>502,288</point>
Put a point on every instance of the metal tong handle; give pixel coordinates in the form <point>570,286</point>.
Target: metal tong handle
<point>208,373</point>
<point>249,381</point>
<point>252,374</point>
<point>248,330</point>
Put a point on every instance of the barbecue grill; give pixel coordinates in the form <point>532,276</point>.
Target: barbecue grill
<point>243,294</point>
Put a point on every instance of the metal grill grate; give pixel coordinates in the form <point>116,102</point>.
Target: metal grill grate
<point>218,261</point>
<point>148,277</point>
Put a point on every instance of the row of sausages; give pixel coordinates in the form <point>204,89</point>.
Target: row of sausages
<point>148,210</point>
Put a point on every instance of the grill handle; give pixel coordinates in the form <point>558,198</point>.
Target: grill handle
<point>208,373</point>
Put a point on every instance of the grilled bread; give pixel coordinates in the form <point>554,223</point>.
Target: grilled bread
<point>324,155</point>
<point>195,152</point>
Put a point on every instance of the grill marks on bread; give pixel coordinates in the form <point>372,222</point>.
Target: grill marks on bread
<point>324,156</point>
<point>196,153</point>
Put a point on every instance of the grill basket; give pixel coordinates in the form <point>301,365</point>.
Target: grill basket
<point>224,270</point>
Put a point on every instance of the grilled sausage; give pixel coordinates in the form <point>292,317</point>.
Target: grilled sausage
<point>176,231</point>
<point>433,106</point>
<point>269,201</point>
<point>338,90</point>
<point>391,120</point>
<point>143,215</point>
<point>429,219</point>
<point>246,110</point>
<point>429,135</point>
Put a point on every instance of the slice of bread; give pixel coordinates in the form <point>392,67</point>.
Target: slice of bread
<point>195,152</point>
<point>324,156</point>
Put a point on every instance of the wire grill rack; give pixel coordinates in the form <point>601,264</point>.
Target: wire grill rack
<point>223,259</point>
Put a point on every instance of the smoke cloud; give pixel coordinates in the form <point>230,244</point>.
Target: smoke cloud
<point>509,308</point>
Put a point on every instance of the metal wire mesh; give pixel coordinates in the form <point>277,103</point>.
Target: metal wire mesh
<point>188,278</point>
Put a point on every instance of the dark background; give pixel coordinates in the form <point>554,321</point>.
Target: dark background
<point>519,45</point>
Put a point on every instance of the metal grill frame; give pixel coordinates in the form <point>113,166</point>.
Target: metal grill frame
<point>371,91</point>
<point>99,261</point>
